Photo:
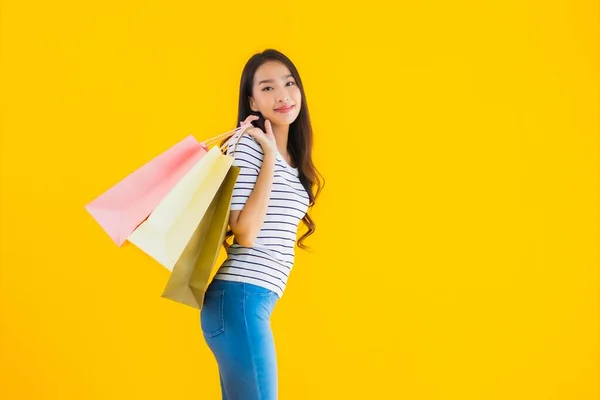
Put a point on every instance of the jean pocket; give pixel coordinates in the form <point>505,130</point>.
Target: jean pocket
<point>258,291</point>
<point>211,316</point>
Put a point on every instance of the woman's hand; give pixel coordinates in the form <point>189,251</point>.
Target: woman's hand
<point>265,139</point>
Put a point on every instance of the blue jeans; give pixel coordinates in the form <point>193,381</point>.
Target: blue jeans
<point>236,324</point>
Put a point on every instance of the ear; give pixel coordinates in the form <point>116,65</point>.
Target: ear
<point>252,104</point>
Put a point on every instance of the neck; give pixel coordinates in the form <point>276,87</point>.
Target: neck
<point>281,133</point>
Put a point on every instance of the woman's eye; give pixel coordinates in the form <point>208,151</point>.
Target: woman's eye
<point>290,83</point>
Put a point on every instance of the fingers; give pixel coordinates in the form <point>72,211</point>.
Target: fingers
<point>248,120</point>
<point>256,134</point>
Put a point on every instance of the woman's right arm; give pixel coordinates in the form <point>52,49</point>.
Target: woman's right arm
<point>247,221</point>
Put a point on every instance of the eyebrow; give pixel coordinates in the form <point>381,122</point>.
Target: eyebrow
<point>271,80</point>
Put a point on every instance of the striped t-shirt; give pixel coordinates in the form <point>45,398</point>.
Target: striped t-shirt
<point>269,262</point>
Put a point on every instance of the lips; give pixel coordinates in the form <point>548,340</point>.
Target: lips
<point>284,109</point>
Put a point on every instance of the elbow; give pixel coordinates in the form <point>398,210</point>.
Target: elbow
<point>245,241</point>
<point>245,234</point>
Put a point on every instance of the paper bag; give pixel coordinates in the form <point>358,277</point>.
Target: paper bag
<point>168,229</point>
<point>193,271</point>
<point>124,206</point>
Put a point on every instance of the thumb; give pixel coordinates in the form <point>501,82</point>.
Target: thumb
<point>268,127</point>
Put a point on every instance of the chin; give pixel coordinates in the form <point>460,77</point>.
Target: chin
<point>281,120</point>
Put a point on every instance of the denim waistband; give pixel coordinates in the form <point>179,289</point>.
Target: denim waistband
<point>219,284</point>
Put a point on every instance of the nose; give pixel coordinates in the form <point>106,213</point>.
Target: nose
<point>283,97</point>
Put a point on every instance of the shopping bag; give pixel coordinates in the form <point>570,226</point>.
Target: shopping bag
<point>191,274</point>
<point>124,206</point>
<point>169,228</point>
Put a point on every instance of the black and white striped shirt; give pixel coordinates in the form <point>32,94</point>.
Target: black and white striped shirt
<point>269,262</point>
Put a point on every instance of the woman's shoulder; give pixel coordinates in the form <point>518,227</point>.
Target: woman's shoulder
<point>244,145</point>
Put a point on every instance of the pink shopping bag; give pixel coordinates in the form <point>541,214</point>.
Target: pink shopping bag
<point>122,208</point>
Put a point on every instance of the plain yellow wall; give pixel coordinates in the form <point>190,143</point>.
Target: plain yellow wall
<point>457,245</point>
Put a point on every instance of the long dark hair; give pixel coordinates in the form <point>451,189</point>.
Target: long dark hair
<point>300,137</point>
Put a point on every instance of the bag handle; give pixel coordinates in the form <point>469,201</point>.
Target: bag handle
<point>216,139</point>
<point>242,130</point>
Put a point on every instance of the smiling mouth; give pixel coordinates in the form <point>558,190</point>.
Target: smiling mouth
<point>284,109</point>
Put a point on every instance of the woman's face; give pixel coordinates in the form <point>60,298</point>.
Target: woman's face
<point>275,94</point>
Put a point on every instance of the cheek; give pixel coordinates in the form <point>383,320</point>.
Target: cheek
<point>297,95</point>
<point>262,101</point>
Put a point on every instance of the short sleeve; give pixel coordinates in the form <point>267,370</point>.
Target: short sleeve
<point>248,157</point>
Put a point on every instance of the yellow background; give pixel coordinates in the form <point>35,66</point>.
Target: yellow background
<point>457,245</point>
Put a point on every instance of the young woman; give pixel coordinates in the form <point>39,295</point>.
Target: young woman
<point>277,185</point>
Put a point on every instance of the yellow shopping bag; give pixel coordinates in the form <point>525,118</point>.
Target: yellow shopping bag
<point>168,229</point>
<point>185,231</point>
<point>193,271</point>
